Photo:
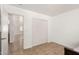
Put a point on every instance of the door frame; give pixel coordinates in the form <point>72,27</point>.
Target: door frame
<point>6,9</point>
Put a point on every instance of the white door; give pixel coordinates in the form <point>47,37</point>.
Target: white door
<point>39,31</point>
<point>5,11</point>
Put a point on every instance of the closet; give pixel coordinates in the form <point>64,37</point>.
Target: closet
<point>39,31</point>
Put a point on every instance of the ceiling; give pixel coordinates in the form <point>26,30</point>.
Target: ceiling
<point>48,9</point>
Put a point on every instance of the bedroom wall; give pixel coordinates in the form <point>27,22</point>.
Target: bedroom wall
<point>64,29</point>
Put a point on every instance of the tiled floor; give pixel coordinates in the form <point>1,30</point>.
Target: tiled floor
<point>43,49</point>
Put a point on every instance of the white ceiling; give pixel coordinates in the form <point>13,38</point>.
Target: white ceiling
<point>49,9</point>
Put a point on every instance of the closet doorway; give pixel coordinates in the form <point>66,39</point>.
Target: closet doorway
<point>15,34</point>
<point>39,31</point>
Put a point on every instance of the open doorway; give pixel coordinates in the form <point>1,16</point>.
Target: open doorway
<point>15,34</point>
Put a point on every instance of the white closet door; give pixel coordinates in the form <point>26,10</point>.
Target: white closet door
<point>39,31</point>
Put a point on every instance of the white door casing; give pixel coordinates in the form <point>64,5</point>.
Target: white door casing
<point>4,31</point>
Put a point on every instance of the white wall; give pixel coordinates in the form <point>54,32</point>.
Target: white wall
<point>64,29</point>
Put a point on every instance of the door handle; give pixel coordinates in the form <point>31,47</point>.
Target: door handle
<point>3,38</point>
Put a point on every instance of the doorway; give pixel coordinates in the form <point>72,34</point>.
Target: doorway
<point>15,34</point>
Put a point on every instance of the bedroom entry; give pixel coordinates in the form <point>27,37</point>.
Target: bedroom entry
<point>15,34</point>
<point>12,20</point>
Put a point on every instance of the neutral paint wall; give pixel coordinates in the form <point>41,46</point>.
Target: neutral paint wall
<point>64,29</point>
